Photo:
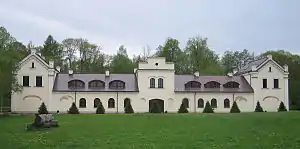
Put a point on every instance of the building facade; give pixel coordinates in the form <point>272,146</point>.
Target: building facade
<point>153,82</point>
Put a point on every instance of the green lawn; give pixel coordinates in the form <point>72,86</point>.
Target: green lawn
<point>162,131</point>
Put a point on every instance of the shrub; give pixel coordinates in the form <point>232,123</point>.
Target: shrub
<point>208,108</point>
<point>182,109</point>
<point>235,108</point>
<point>258,108</point>
<point>128,108</point>
<point>155,109</point>
<point>281,107</point>
<point>73,109</point>
<point>100,109</point>
<point>43,109</point>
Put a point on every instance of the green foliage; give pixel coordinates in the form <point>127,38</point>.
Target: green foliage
<point>235,59</point>
<point>73,109</point>
<point>100,108</point>
<point>155,108</point>
<point>43,109</point>
<point>281,107</point>
<point>121,63</point>
<point>258,108</point>
<point>235,108</point>
<point>128,108</point>
<point>208,108</point>
<point>183,109</point>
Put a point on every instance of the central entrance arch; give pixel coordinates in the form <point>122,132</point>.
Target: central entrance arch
<point>156,106</point>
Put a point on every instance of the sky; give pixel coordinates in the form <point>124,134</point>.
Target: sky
<point>256,25</point>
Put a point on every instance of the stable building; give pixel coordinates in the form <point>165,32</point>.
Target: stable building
<point>153,82</point>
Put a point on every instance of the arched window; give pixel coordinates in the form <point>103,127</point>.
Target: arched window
<point>212,84</point>
<point>192,84</point>
<point>160,83</point>
<point>126,101</point>
<point>82,103</point>
<point>185,102</point>
<point>214,103</point>
<point>116,84</point>
<point>200,103</point>
<point>96,102</point>
<point>226,103</point>
<point>75,84</point>
<point>111,103</point>
<point>231,84</point>
<point>152,83</point>
<point>96,84</point>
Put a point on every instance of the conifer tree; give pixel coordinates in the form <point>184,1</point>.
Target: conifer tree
<point>208,108</point>
<point>128,108</point>
<point>183,109</point>
<point>73,109</point>
<point>258,108</point>
<point>281,107</point>
<point>235,108</point>
<point>43,109</point>
<point>100,108</point>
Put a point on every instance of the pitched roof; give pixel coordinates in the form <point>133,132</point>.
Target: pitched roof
<point>62,79</point>
<point>181,80</point>
<point>248,67</point>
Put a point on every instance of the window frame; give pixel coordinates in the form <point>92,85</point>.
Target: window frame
<point>264,83</point>
<point>36,81</point>
<point>276,83</point>
<point>96,105</point>
<point>76,84</point>
<point>231,84</point>
<point>96,84</point>
<point>23,81</point>
<point>152,82</point>
<point>192,85</point>
<point>160,83</point>
<point>202,103</point>
<point>211,103</point>
<point>226,103</point>
<point>111,103</point>
<point>212,84</point>
<point>117,84</point>
<point>186,102</point>
<point>82,101</point>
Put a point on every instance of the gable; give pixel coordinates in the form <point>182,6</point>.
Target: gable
<point>39,65</point>
<point>270,64</point>
<point>33,57</point>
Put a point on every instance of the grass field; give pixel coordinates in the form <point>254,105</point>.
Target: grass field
<point>162,131</point>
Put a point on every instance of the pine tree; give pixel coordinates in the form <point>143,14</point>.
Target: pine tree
<point>183,109</point>
<point>100,109</point>
<point>258,108</point>
<point>235,108</point>
<point>73,109</point>
<point>281,107</point>
<point>154,108</point>
<point>207,108</point>
<point>43,109</point>
<point>128,108</point>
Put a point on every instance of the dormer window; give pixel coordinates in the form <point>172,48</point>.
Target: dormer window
<point>76,84</point>
<point>32,65</point>
<point>96,84</point>
<point>117,84</point>
<point>192,85</point>
<point>212,84</point>
<point>231,84</point>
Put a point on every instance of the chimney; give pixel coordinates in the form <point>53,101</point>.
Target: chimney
<point>196,74</point>
<point>58,68</point>
<point>70,72</point>
<point>51,64</point>
<point>229,74</point>
<point>286,68</point>
<point>269,56</point>
<point>253,68</point>
<point>107,73</point>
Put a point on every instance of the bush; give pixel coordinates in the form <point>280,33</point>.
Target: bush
<point>128,108</point>
<point>155,109</point>
<point>73,109</point>
<point>100,108</point>
<point>281,107</point>
<point>182,109</point>
<point>208,108</point>
<point>235,108</point>
<point>258,108</point>
<point>43,109</point>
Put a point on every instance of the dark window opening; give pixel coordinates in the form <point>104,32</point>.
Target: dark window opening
<point>111,103</point>
<point>38,81</point>
<point>96,84</point>
<point>156,64</point>
<point>126,101</point>
<point>185,102</point>
<point>265,85</point>
<point>231,84</point>
<point>214,103</point>
<point>270,69</point>
<point>192,84</point>
<point>152,83</point>
<point>276,83</point>
<point>200,103</point>
<point>212,84</point>
<point>96,102</point>
<point>160,83</point>
<point>76,84</point>
<point>25,80</point>
<point>32,65</point>
<point>117,84</point>
<point>82,103</point>
<point>226,103</point>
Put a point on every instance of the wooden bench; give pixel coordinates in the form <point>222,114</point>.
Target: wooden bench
<point>43,121</point>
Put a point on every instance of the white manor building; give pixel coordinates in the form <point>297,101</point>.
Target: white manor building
<point>155,81</point>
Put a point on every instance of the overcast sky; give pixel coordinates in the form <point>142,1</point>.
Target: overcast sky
<point>256,25</point>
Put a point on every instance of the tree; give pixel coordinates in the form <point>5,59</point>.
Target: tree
<point>236,59</point>
<point>128,108</point>
<point>258,108</point>
<point>73,109</point>
<point>235,108</point>
<point>100,108</point>
<point>208,108</point>
<point>52,50</point>
<point>70,47</point>
<point>183,109</point>
<point>281,107</point>
<point>121,63</point>
<point>43,109</point>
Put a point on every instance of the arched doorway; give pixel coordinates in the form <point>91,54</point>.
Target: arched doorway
<point>156,106</point>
